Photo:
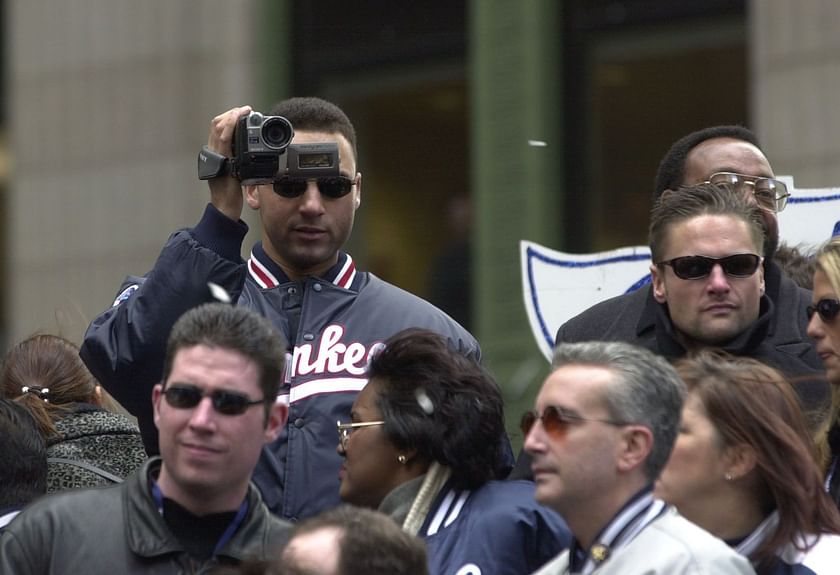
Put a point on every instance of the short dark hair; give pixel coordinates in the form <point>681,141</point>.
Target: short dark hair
<point>701,200</point>
<point>235,328</point>
<point>443,405</point>
<point>370,543</point>
<point>23,456</point>
<point>645,390</point>
<point>798,263</point>
<point>314,114</point>
<point>671,171</point>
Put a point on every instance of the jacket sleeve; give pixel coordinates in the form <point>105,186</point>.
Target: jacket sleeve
<point>124,346</point>
<point>19,558</point>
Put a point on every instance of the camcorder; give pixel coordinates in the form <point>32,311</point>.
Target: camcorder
<point>262,152</point>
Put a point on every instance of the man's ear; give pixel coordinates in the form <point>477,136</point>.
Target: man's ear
<point>277,416</point>
<point>636,444</point>
<point>252,197</point>
<point>157,395</point>
<point>657,280</point>
<point>358,189</point>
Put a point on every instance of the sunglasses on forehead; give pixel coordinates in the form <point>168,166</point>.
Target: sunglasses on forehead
<point>182,396</point>
<point>698,267</point>
<point>827,308</point>
<point>556,421</point>
<point>331,187</point>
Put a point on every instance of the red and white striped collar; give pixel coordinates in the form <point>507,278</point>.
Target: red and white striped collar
<point>268,274</point>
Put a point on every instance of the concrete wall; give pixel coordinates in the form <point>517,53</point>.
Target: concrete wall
<point>108,104</point>
<point>795,63</point>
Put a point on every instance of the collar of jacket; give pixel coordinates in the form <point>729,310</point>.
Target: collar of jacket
<point>267,274</point>
<point>655,323</point>
<point>149,536</point>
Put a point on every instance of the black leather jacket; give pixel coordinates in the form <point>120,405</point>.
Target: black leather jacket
<point>118,529</point>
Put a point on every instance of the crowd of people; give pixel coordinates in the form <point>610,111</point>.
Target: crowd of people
<point>319,420</point>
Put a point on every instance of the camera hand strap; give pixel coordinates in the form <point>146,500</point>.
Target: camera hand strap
<point>211,164</point>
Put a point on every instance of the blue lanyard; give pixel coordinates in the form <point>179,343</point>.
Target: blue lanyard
<point>231,528</point>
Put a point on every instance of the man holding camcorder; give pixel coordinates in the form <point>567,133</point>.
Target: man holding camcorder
<point>297,167</point>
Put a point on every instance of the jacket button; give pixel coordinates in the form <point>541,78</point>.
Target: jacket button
<point>292,290</point>
<point>308,336</point>
<point>317,287</point>
<point>299,422</point>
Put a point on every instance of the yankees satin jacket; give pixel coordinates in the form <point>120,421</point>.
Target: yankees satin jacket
<point>332,324</point>
<point>496,529</point>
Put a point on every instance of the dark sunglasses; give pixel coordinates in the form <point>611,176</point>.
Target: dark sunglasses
<point>556,422</point>
<point>331,187</point>
<point>827,308</point>
<point>225,402</point>
<point>697,267</point>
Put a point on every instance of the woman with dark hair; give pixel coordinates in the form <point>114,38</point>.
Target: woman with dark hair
<point>88,442</point>
<point>744,467</point>
<point>424,446</point>
<point>824,329</point>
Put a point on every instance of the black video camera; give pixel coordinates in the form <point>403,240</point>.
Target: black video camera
<point>260,145</point>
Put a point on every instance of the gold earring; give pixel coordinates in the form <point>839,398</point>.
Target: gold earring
<point>728,476</point>
<point>401,459</point>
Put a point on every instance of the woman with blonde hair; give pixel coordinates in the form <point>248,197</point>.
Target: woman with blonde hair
<point>744,468</point>
<point>824,329</point>
<point>88,442</point>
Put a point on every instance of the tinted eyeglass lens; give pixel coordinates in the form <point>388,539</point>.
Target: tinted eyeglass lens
<point>770,193</point>
<point>182,397</point>
<point>552,421</point>
<point>692,267</point>
<point>225,402</point>
<point>696,267</point>
<point>827,308</point>
<point>229,403</point>
<point>332,187</point>
<point>289,187</point>
<point>529,418</point>
<point>336,187</point>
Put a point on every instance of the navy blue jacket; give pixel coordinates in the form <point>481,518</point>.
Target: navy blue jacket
<point>497,529</point>
<point>332,323</point>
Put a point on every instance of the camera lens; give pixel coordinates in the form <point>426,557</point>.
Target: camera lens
<point>277,132</point>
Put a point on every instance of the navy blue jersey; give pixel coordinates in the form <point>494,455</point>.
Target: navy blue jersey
<point>496,529</point>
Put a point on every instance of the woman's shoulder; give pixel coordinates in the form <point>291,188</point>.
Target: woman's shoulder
<point>820,558</point>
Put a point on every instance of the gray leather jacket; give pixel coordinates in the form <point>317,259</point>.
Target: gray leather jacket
<point>118,529</point>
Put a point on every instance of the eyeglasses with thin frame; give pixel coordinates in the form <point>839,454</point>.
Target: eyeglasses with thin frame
<point>827,308</point>
<point>345,429</point>
<point>556,421</point>
<point>183,396</point>
<point>332,187</point>
<point>699,267</point>
<point>770,193</point>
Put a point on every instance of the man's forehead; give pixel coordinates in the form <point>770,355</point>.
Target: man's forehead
<point>574,384</point>
<point>692,234</point>
<point>724,155</point>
